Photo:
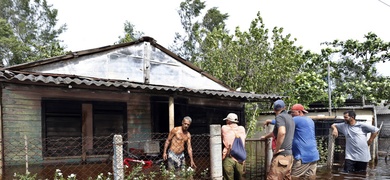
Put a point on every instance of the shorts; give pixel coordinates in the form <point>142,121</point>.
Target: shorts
<point>280,167</point>
<point>175,161</point>
<point>355,166</point>
<point>307,170</point>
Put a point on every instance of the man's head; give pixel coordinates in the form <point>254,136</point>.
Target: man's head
<point>279,105</point>
<point>298,110</point>
<point>231,118</point>
<point>349,117</point>
<point>185,124</point>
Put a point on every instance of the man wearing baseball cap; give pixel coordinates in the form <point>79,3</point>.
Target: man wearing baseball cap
<point>232,168</point>
<point>283,132</point>
<point>304,145</point>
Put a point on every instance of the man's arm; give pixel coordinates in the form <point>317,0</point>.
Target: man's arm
<point>269,135</point>
<point>269,121</point>
<point>167,142</point>
<point>372,137</point>
<point>335,132</point>
<point>189,150</point>
<point>280,138</point>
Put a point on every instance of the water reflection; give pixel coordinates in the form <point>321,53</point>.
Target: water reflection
<point>380,170</point>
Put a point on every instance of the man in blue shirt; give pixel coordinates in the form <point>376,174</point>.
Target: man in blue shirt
<point>304,145</point>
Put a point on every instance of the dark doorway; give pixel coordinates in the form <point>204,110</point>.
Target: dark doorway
<point>202,116</point>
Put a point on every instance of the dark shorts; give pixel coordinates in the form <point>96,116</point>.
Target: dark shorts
<point>355,166</point>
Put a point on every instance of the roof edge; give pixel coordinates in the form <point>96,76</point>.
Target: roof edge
<point>70,54</point>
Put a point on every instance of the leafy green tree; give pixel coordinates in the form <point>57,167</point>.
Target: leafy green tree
<point>311,83</point>
<point>214,19</point>
<point>34,26</point>
<point>10,47</point>
<point>269,62</point>
<point>254,61</point>
<point>189,44</point>
<point>354,70</point>
<point>131,34</point>
<point>185,45</point>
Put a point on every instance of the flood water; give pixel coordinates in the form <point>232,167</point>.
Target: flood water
<point>380,170</point>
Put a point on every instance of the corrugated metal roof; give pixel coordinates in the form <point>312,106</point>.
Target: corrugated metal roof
<point>31,77</point>
<point>20,74</point>
<point>383,109</point>
<point>72,55</point>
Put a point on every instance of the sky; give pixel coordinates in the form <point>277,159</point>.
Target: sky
<point>97,23</point>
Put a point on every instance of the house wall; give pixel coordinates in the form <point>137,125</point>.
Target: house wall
<point>384,135</point>
<point>21,113</point>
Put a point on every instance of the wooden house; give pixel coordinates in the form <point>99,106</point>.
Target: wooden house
<point>130,88</point>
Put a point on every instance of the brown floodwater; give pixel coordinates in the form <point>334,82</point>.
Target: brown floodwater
<point>378,170</point>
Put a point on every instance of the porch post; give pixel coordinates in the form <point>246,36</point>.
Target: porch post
<point>1,139</point>
<point>329,161</point>
<point>215,152</point>
<point>269,153</point>
<point>171,113</point>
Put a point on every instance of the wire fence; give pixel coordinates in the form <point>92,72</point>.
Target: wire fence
<point>89,158</point>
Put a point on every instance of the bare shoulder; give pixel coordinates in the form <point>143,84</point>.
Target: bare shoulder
<point>175,130</point>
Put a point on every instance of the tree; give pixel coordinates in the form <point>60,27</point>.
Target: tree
<point>254,61</point>
<point>354,70</point>
<point>214,19</point>
<point>10,47</point>
<point>311,83</point>
<point>34,28</point>
<point>189,45</point>
<point>130,33</point>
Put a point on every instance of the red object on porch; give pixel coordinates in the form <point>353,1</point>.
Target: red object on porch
<point>147,163</point>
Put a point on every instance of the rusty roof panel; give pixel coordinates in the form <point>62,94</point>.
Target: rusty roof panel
<point>79,80</point>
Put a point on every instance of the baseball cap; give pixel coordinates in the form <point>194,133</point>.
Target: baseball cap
<point>298,107</point>
<point>278,105</point>
<point>231,117</point>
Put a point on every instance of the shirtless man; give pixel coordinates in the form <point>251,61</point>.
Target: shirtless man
<point>176,138</point>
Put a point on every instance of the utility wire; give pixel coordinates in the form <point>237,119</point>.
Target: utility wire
<point>384,3</point>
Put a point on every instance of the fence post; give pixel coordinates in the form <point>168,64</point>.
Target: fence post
<point>26,149</point>
<point>117,159</point>
<point>215,152</point>
<point>330,149</point>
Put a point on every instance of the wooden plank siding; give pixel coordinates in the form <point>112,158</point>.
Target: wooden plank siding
<point>139,120</point>
<point>27,106</point>
<point>21,114</point>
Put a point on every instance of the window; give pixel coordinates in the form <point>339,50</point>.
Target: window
<point>75,128</point>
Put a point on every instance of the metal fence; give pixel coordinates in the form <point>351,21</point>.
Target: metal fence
<point>256,165</point>
<point>89,158</point>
